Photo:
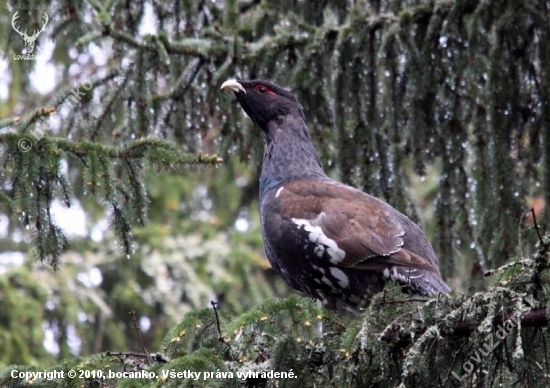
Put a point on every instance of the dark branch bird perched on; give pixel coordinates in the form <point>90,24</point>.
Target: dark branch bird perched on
<point>326,239</point>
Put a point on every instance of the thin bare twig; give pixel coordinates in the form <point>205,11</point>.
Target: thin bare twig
<point>537,226</point>
<point>134,322</point>
<point>215,308</point>
<point>126,354</point>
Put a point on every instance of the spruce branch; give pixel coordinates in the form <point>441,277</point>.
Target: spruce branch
<point>9,121</point>
<point>197,47</point>
<point>119,222</point>
<point>7,202</point>
<point>157,151</point>
<point>35,116</point>
<point>65,94</point>
<point>182,84</point>
<point>108,106</point>
<point>36,177</point>
<point>88,38</point>
<point>402,337</point>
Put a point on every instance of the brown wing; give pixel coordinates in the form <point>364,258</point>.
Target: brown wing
<point>360,224</point>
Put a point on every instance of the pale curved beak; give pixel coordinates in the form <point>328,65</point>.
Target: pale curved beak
<point>233,85</point>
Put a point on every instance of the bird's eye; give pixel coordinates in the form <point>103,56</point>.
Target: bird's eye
<point>261,88</point>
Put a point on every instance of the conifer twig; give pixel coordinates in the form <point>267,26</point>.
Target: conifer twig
<point>214,307</point>
<point>126,354</point>
<point>134,322</point>
<point>536,226</point>
<point>157,357</point>
<point>406,300</point>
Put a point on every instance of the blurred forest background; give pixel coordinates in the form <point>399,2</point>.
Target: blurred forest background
<point>128,181</point>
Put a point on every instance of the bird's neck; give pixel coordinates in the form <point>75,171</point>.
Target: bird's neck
<point>288,155</point>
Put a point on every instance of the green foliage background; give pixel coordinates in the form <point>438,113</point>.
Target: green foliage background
<point>441,108</point>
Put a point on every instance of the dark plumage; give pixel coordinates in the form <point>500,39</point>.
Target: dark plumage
<point>326,239</point>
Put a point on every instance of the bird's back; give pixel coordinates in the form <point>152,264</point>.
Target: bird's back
<point>341,245</point>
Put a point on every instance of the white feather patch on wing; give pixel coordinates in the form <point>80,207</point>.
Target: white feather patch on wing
<point>343,280</point>
<point>323,243</point>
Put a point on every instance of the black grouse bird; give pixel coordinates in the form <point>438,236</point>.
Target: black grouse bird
<point>326,239</point>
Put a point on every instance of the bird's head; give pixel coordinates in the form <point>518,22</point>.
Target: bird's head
<point>264,102</point>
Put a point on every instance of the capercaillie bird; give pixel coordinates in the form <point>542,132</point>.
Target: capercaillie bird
<point>326,239</point>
